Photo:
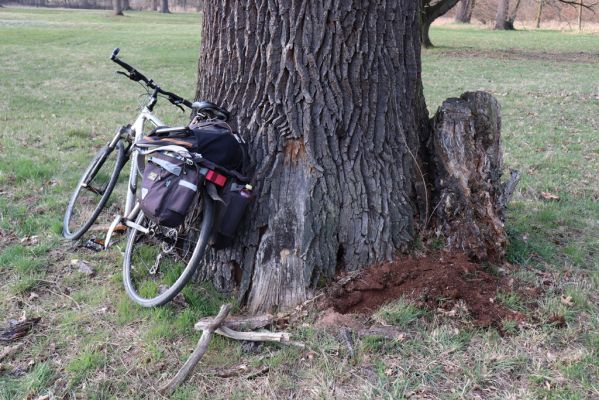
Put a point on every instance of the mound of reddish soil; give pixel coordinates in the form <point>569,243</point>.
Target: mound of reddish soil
<point>435,281</point>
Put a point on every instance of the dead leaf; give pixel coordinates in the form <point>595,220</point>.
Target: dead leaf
<point>83,267</point>
<point>29,240</point>
<point>33,296</point>
<point>10,350</point>
<point>567,300</point>
<point>17,329</point>
<point>389,371</point>
<point>549,196</point>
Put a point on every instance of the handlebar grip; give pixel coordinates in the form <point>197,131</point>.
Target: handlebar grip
<point>115,53</point>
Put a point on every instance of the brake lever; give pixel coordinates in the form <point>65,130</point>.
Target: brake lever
<point>176,104</point>
<point>123,73</point>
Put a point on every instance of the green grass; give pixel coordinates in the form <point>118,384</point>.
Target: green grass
<point>399,313</point>
<point>60,101</point>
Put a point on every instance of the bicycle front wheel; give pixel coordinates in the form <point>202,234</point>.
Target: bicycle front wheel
<point>93,190</point>
<point>159,261</point>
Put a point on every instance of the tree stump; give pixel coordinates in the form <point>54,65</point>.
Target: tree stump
<point>469,197</point>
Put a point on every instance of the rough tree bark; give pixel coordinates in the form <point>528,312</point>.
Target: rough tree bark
<point>431,10</point>
<point>164,7</point>
<point>329,97</point>
<point>330,106</point>
<point>464,14</point>
<point>468,160</point>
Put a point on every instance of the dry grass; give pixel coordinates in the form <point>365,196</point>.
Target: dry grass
<point>94,343</point>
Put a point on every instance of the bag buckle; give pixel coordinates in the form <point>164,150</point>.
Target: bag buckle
<point>216,178</point>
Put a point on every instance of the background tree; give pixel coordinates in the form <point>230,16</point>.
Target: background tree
<point>117,7</point>
<point>539,12</point>
<point>164,7</point>
<point>431,10</point>
<point>329,97</point>
<point>501,18</point>
<point>512,14</point>
<point>464,14</point>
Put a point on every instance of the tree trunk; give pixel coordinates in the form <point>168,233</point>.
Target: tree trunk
<point>464,14</point>
<point>501,21</point>
<point>117,7</point>
<point>430,12</point>
<point>126,5</point>
<point>580,5</point>
<point>329,97</point>
<point>513,14</point>
<point>425,39</point>
<point>539,12</point>
<point>164,7</point>
<point>154,5</point>
<point>330,108</point>
<point>468,161</point>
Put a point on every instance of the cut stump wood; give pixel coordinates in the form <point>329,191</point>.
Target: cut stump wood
<point>467,160</point>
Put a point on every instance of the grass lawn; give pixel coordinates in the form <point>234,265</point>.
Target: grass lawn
<point>60,101</point>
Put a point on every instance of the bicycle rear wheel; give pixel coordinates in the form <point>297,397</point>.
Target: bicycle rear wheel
<point>93,190</point>
<point>159,261</point>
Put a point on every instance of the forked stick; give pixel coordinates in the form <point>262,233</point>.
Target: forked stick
<point>197,354</point>
<point>209,326</point>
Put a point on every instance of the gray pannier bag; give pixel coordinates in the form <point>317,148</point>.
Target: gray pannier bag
<point>168,188</point>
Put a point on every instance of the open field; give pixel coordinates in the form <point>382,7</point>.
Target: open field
<point>60,101</point>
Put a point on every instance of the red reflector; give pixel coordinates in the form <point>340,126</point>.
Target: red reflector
<point>216,178</point>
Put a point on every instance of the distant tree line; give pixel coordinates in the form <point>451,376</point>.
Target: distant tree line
<point>505,12</point>
<point>120,5</point>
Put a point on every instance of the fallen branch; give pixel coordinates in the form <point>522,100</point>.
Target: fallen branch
<point>208,326</point>
<point>197,354</point>
<point>239,323</point>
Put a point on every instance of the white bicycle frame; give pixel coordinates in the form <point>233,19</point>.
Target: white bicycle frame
<point>131,205</point>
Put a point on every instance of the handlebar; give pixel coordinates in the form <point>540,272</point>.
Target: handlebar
<point>137,76</point>
<point>205,108</point>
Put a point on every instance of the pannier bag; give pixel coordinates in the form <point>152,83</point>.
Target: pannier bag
<point>170,183</point>
<point>214,140</point>
<point>168,188</point>
<point>236,198</point>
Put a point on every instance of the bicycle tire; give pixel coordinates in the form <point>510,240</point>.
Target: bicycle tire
<point>91,211</point>
<point>144,286</point>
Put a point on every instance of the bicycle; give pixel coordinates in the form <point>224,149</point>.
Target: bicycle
<point>168,255</point>
<point>100,177</point>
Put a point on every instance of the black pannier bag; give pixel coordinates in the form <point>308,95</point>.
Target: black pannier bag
<point>236,198</point>
<point>226,154</point>
<point>168,188</point>
<point>216,141</point>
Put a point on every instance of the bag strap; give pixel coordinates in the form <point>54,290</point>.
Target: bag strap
<point>182,151</point>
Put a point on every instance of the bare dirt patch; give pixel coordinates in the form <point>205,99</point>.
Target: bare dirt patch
<point>518,54</point>
<point>437,281</point>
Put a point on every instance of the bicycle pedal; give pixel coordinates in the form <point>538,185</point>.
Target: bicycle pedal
<point>94,244</point>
